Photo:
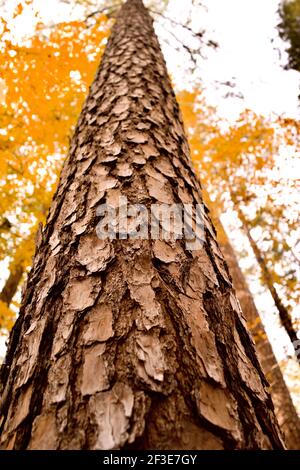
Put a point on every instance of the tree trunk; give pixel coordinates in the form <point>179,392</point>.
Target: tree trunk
<point>11,285</point>
<point>8,292</point>
<point>284,408</point>
<point>284,314</point>
<point>131,343</point>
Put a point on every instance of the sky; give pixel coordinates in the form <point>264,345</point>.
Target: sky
<point>250,55</point>
<point>245,30</point>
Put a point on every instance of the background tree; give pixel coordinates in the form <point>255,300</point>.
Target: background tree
<point>289,12</point>
<point>284,408</point>
<point>284,314</point>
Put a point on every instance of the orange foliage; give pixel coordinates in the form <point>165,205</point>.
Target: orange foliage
<point>43,83</point>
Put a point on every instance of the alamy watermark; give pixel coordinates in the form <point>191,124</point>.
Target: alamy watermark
<point>156,222</point>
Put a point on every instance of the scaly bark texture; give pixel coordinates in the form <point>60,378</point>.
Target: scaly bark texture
<point>285,411</point>
<point>284,314</point>
<point>131,343</point>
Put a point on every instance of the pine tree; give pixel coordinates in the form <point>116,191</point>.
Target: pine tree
<point>130,343</point>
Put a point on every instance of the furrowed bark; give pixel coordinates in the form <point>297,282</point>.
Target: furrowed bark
<point>131,343</point>
<point>285,411</point>
<point>284,314</point>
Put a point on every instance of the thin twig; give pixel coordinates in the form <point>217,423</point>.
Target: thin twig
<point>184,46</point>
<point>188,28</point>
<point>199,35</point>
<point>111,7</point>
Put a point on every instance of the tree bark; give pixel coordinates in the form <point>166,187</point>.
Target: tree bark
<point>285,411</point>
<point>284,314</point>
<point>131,343</point>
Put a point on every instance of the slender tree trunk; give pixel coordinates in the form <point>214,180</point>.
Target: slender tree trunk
<point>8,292</point>
<point>11,285</point>
<point>286,414</point>
<point>17,269</point>
<point>284,315</point>
<point>5,225</point>
<point>133,343</point>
